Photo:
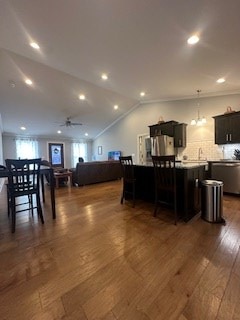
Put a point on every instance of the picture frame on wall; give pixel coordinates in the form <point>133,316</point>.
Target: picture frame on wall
<point>56,154</point>
<point>99,150</point>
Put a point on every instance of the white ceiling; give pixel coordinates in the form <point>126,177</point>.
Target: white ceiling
<point>140,44</point>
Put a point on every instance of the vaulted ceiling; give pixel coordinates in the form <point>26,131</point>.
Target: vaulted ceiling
<point>140,44</point>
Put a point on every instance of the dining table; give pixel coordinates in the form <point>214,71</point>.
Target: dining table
<point>44,170</point>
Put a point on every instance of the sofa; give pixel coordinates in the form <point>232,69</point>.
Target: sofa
<point>95,172</point>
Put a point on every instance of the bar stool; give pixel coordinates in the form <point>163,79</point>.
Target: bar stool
<point>128,178</point>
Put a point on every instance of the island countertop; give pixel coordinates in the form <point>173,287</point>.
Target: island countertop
<point>179,165</point>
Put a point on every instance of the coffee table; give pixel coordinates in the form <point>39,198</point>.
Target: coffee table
<point>59,175</point>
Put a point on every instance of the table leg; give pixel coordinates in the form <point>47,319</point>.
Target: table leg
<point>52,190</point>
<point>42,185</point>
<point>70,180</point>
<point>57,182</point>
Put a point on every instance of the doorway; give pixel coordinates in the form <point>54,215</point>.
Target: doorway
<point>144,148</point>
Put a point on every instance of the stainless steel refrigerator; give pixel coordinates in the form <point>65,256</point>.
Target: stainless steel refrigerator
<point>162,146</point>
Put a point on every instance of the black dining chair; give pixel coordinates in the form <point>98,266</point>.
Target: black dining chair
<point>3,168</point>
<point>129,181</point>
<point>165,183</point>
<point>24,177</point>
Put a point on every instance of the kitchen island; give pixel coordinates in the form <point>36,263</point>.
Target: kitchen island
<point>188,177</point>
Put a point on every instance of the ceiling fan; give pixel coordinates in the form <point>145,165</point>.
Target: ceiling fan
<point>68,123</point>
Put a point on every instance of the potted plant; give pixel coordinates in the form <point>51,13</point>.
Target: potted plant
<point>237,154</point>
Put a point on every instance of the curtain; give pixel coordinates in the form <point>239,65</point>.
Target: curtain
<point>27,148</point>
<point>79,149</point>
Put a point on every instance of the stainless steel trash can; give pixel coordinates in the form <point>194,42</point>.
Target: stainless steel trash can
<point>212,201</point>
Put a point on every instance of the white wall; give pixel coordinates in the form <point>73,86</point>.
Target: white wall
<point>9,148</point>
<point>123,135</point>
<point>1,144</point>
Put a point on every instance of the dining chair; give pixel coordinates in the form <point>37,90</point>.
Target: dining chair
<point>165,183</point>
<point>24,176</point>
<point>3,168</point>
<point>129,181</point>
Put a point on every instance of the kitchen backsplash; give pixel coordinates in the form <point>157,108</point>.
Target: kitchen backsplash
<point>209,150</point>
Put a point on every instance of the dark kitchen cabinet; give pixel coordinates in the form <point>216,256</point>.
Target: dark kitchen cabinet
<point>180,135</point>
<point>227,128</point>
<point>189,196</point>
<point>172,129</point>
<point>163,128</point>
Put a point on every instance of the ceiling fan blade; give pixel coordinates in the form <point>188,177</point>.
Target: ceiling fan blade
<point>68,123</point>
<point>76,124</point>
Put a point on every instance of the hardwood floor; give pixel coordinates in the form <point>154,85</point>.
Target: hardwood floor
<point>103,260</point>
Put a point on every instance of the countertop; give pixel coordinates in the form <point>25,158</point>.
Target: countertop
<point>224,161</point>
<point>179,165</point>
<point>190,165</point>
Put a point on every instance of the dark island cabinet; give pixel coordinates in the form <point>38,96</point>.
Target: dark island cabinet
<point>227,128</point>
<point>188,188</point>
<point>180,136</point>
<point>189,191</point>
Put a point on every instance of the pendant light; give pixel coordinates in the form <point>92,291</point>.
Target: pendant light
<point>200,120</point>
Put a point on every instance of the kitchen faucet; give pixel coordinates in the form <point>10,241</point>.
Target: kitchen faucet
<point>199,153</point>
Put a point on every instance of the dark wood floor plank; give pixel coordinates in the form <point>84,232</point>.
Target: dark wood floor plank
<point>103,260</point>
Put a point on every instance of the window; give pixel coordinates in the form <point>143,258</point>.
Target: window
<point>27,148</point>
<point>79,149</point>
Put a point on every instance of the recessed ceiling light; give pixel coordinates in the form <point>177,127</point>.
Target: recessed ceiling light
<point>220,80</point>
<point>59,131</point>
<point>142,94</point>
<point>115,107</point>
<point>82,97</point>
<point>193,39</point>
<point>23,128</point>
<point>28,82</point>
<point>34,45</point>
<point>104,76</point>
<point>86,134</point>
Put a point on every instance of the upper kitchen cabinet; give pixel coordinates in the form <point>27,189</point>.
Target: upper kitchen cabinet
<point>172,129</point>
<point>180,136</point>
<point>227,128</point>
<point>163,128</point>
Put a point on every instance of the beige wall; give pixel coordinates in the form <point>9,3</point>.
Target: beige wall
<point>123,135</point>
<point>1,144</point>
<point>9,149</point>
<point>1,152</point>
